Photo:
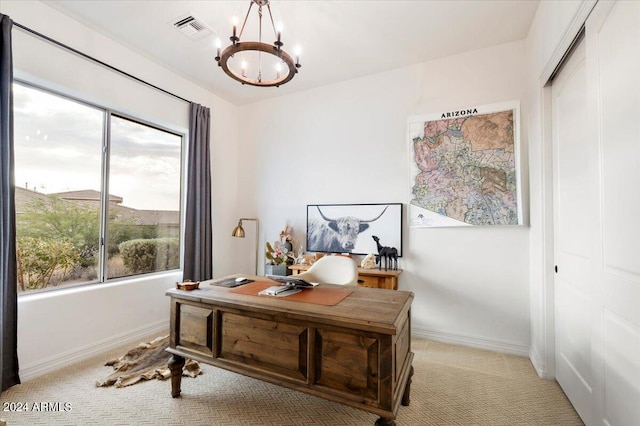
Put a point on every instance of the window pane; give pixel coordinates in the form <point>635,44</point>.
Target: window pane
<point>58,173</point>
<point>144,208</point>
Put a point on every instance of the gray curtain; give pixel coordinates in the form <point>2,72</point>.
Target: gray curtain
<point>198,256</point>
<point>8,278</point>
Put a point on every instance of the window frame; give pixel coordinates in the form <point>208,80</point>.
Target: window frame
<point>107,113</point>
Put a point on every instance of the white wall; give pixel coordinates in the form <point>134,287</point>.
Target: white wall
<point>343,143</point>
<point>555,25</point>
<point>59,328</point>
<point>346,143</point>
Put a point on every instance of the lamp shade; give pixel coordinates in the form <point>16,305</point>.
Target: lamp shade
<point>238,231</point>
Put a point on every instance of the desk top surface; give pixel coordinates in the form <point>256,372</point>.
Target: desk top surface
<point>370,309</point>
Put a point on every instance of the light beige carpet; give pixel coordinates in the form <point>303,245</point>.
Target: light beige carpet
<point>452,385</point>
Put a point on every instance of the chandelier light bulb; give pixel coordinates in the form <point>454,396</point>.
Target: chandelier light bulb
<point>218,46</point>
<point>297,51</point>
<point>243,65</point>
<point>234,22</point>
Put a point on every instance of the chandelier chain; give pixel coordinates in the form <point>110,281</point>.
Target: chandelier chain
<point>275,33</point>
<point>260,40</point>
<point>245,19</point>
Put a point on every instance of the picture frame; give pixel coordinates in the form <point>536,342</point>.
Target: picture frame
<point>349,228</point>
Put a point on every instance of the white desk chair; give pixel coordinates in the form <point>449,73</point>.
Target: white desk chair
<point>341,270</point>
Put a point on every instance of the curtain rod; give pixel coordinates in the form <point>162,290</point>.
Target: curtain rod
<point>98,61</point>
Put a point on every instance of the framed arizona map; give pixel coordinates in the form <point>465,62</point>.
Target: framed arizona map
<point>464,167</point>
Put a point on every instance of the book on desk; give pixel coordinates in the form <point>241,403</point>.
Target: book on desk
<point>279,291</point>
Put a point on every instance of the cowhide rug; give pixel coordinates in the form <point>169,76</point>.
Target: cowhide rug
<point>147,361</point>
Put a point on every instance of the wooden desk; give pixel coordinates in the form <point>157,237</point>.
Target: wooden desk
<point>357,352</point>
<point>373,278</point>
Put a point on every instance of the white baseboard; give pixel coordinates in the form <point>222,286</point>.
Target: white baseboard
<point>539,365</point>
<point>73,356</point>
<point>511,348</point>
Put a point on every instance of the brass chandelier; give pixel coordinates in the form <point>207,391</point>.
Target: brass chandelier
<point>257,52</point>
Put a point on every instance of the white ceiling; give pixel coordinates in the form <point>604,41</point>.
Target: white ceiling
<point>340,40</point>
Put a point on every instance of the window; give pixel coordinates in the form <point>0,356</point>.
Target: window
<point>67,153</point>
<point>144,167</point>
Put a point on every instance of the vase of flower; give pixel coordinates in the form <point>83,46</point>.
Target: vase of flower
<point>277,260</point>
<point>280,270</point>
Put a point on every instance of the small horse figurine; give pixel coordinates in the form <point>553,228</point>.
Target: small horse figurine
<point>390,255</point>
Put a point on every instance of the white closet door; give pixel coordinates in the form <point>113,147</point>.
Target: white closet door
<point>575,173</point>
<point>613,62</point>
<point>596,142</point>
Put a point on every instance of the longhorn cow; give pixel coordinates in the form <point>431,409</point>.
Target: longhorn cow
<point>337,235</point>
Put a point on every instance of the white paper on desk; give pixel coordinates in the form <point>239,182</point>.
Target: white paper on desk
<point>279,291</point>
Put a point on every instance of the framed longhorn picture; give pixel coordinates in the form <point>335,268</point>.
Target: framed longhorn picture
<point>350,228</point>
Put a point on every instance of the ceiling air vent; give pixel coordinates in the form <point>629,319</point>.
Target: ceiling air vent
<point>191,27</point>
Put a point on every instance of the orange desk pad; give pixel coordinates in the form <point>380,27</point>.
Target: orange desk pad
<point>319,295</point>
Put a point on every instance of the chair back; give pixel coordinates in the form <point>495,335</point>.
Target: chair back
<point>341,270</point>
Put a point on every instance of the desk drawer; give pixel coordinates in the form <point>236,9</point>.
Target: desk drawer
<point>195,329</point>
<point>375,281</point>
<point>370,281</point>
<point>268,345</point>
<point>348,362</point>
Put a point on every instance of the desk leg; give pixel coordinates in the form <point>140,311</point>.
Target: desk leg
<point>176,363</point>
<point>406,396</point>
